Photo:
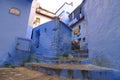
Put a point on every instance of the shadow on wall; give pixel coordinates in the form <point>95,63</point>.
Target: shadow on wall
<point>101,60</point>
<point>20,55</point>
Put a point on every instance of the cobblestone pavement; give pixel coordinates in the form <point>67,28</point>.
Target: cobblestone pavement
<point>21,73</point>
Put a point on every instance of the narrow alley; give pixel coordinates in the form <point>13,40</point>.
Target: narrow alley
<point>60,40</point>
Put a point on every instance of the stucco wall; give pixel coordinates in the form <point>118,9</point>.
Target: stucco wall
<point>54,37</point>
<point>103,25</point>
<point>65,39</point>
<point>12,26</point>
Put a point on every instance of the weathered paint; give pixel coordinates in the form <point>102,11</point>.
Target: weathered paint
<point>51,39</point>
<point>75,73</point>
<point>12,26</point>
<point>103,25</point>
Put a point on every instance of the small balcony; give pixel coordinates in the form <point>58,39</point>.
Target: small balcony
<point>76,20</point>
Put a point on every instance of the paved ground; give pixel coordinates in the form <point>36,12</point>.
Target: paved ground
<point>21,73</point>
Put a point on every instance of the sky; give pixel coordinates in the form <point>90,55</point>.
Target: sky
<point>54,5</point>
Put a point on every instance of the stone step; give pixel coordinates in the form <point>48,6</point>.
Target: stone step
<point>80,51</point>
<point>79,55</point>
<point>66,61</point>
<point>79,72</point>
<point>57,60</point>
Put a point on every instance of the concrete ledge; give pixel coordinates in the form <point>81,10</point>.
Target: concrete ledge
<point>83,72</point>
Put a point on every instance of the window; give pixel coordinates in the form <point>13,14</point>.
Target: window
<point>79,39</point>
<point>73,15</point>
<point>77,31</point>
<point>79,27</point>
<point>67,12</point>
<point>37,21</point>
<point>45,30</point>
<point>37,38</point>
<point>84,39</point>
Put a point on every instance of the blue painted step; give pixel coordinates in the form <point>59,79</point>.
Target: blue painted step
<point>79,72</point>
<point>66,61</point>
<point>80,54</point>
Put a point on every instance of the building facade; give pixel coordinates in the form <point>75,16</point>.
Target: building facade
<point>51,39</point>
<point>38,16</point>
<point>103,20</point>
<point>78,25</point>
<point>64,11</point>
<point>14,20</point>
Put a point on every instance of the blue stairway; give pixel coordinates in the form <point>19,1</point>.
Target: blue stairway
<point>77,68</point>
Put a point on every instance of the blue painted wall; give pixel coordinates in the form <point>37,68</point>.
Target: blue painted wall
<point>103,25</point>
<point>51,39</point>
<point>12,26</point>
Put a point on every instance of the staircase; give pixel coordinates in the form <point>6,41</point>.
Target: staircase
<point>66,61</point>
<point>78,72</point>
<point>77,68</point>
<point>80,53</point>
